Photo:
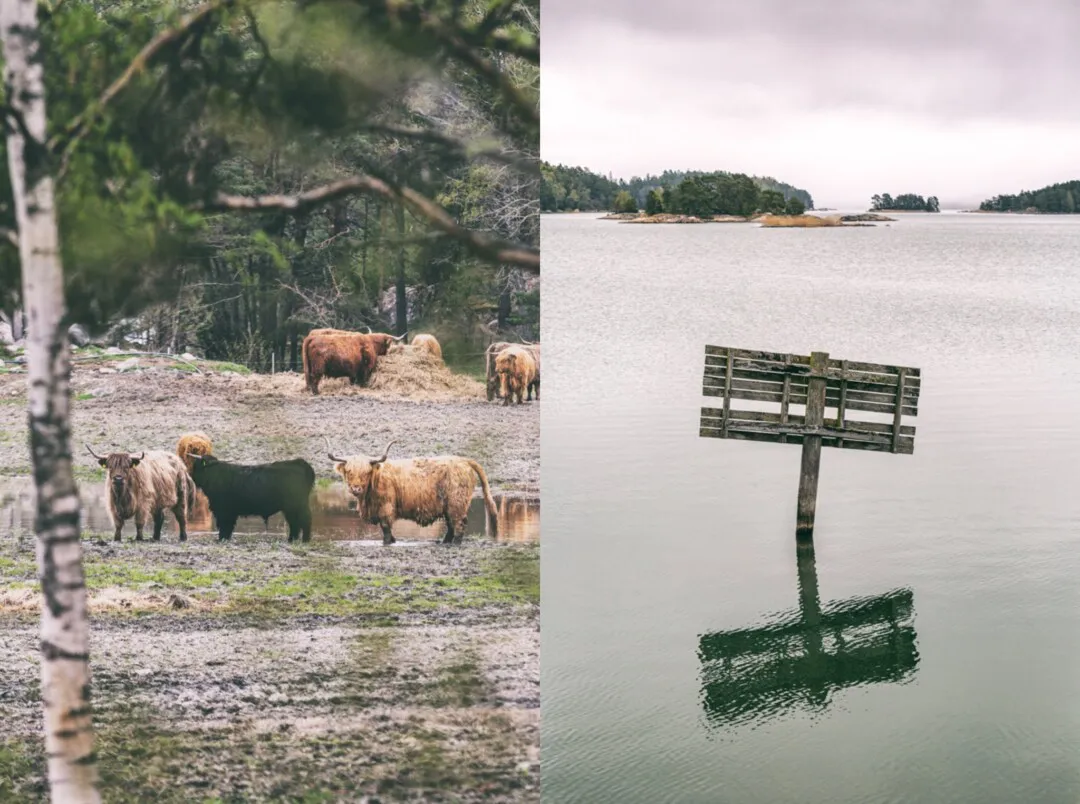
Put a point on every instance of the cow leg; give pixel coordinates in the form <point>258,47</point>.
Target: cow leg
<point>181,520</point>
<point>449,537</point>
<point>305,526</point>
<point>537,387</point>
<point>292,520</point>
<point>139,523</point>
<point>387,532</point>
<point>116,535</point>
<point>159,522</point>
<point>226,525</point>
<point>460,530</point>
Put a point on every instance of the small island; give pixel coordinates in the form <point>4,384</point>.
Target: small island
<point>907,202</point>
<point>1054,199</point>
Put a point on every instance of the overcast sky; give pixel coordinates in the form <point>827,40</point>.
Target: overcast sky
<point>845,98</point>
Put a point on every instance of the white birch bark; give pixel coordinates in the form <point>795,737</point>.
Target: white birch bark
<point>65,629</point>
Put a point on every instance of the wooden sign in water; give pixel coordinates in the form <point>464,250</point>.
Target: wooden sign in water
<point>815,383</point>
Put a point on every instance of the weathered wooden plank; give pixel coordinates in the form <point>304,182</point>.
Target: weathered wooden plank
<point>855,399</point>
<point>896,415</point>
<point>785,397</point>
<point>814,417</point>
<point>727,391</point>
<point>803,430</point>
<point>751,354</point>
<point>906,446</point>
<point>831,366</point>
<point>881,383</point>
<point>712,416</point>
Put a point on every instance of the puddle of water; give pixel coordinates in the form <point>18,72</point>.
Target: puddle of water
<point>333,510</point>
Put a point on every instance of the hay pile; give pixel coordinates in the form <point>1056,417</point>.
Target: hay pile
<point>416,373</point>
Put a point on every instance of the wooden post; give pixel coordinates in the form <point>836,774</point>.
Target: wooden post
<point>811,450</point>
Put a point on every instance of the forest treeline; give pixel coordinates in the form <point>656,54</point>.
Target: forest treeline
<point>275,167</point>
<point>1054,198</point>
<point>907,202</point>
<point>565,188</point>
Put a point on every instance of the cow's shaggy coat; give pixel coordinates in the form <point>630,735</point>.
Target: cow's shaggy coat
<point>143,487</point>
<point>427,343</point>
<point>235,490</point>
<point>492,353</point>
<point>339,353</point>
<point>517,371</point>
<point>423,490</point>
<point>193,444</point>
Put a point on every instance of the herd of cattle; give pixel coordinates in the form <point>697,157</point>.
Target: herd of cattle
<point>144,486</point>
<point>512,370</point>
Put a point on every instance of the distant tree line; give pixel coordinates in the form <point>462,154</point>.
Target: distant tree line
<point>1059,198</point>
<point>565,188</point>
<point>908,202</point>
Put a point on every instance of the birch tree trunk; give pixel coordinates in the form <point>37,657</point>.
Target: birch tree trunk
<point>65,630</point>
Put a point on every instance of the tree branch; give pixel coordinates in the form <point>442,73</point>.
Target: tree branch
<point>494,249</point>
<point>78,127</point>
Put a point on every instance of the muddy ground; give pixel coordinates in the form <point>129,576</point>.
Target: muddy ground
<point>264,671</point>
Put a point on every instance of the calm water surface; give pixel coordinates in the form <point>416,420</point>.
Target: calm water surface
<point>929,651</point>
<point>333,509</point>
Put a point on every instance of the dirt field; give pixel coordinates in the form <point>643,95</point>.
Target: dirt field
<point>263,671</point>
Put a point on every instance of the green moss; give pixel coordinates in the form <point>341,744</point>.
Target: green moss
<point>84,397</point>
<point>18,771</point>
<point>458,684</point>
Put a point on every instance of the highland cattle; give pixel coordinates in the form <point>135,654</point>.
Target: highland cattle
<point>423,490</point>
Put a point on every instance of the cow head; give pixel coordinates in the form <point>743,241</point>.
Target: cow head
<point>382,341</point>
<point>199,464</point>
<point>119,470</point>
<point>361,472</point>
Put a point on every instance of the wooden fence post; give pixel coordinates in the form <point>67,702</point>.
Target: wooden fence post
<point>811,447</point>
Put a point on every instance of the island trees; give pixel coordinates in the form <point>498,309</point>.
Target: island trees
<point>624,202</point>
<point>654,202</point>
<point>1063,198</point>
<point>908,202</point>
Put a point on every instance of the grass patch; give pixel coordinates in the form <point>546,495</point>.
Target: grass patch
<point>282,581</point>
<point>140,759</point>
<point>222,365</point>
<point>84,397</point>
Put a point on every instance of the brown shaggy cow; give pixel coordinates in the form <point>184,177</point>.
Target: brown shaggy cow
<point>427,343</point>
<point>193,444</point>
<point>144,486</point>
<point>423,490</point>
<point>337,353</point>
<point>189,445</point>
<point>492,376</point>
<point>516,370</point>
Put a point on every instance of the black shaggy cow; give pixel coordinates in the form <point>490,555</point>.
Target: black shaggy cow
<point>235,490</point>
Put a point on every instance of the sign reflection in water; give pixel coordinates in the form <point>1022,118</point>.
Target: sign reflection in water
<point>799,659</point>
<point>333,509</point>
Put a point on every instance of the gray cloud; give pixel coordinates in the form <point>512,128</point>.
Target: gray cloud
<point>998,72</point>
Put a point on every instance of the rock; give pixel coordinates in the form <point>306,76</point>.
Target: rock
<point>6,335</point>
<point>106,370</point>
<point>128,365</point>
<point>179,601</point>
<point>113,350</point>
<point>77,335</point>
<point>188,356</point>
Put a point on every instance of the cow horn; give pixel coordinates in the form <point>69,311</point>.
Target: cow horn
<point>141,455</point>
<point>330,452</point>
<point>93,453</point>
<point>368,328</point>
<point>399,337</point>
<point>386,453</point>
